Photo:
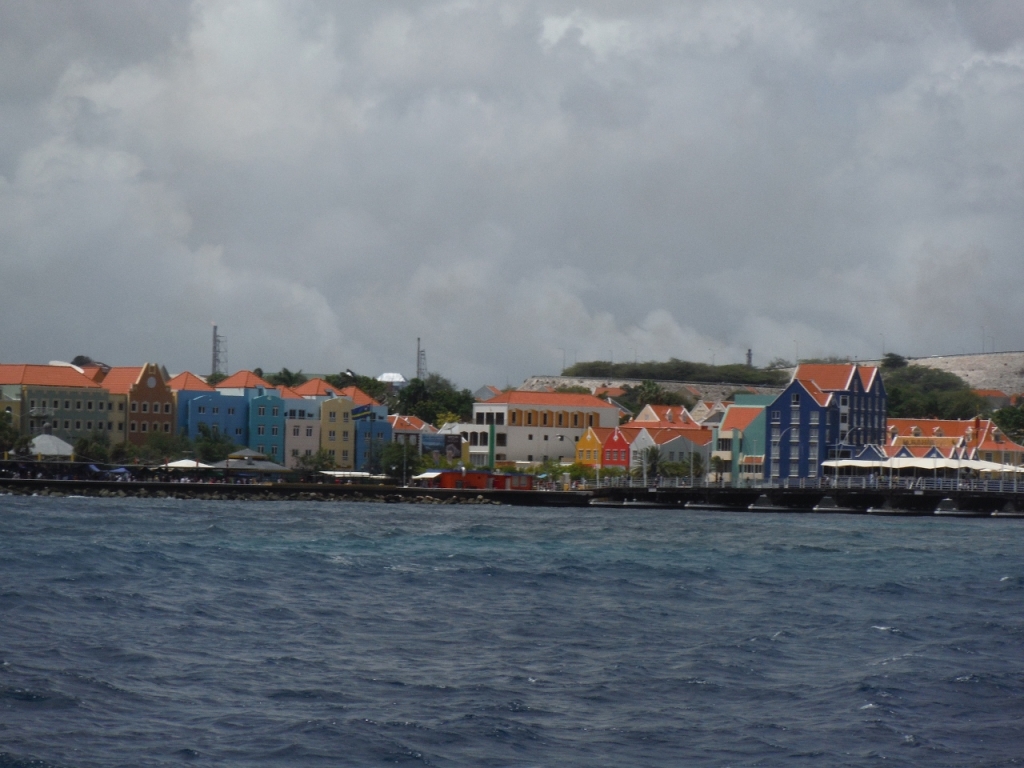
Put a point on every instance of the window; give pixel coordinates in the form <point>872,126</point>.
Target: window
<point>67,405</point>
<point>512,418</point>
<point>261,449</point>
<point>794,469</point>
<point>560,417</point>
<point>501,439</point>
<point>331,435</point>
<point>483,438</point>
<point>274,430</point>
<point>812,434</point>
<point>238,430</point>
<point>812,469</point>
<point>529,420</point>
<point>309,452</point>
<point>794,399</point>
<point>344,455</point>
<point>231,411</point>
<point>120,406</point>
<point>295,451</point>
<point>309,431</point>
<point>120,426</point>
<point>794,451</point>
<point>261,430</point>
<point>88,405</point>
<point>545,437</point>
<point>110,426</point>
<point>815,417</point>
<point>78,405</point>
<point>330,453</point>
<point>480,418</point>
<point>344,417</point>
<point>88,425</point>
<point>145,426</point>
<point>332,416</point>
<point>776,415</point>
<point>273,450</point>
<point>529,437</point>
<point>543,419</point>
<point>295,432</point>
<point>201,409</point>
<point>499,419</point>
<point>844,401</point>
<point>135,407</point>
<point>262,410</point>
<point>775,469</point>
<point>561,438</point>
<point>575,419</point>
<point>275,411</point>
<point>145,407</point>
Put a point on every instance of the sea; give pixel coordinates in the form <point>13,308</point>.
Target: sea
<point>215,633</point>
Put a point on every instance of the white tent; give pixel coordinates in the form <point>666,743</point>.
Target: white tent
<point>186,464</point>
<point>49,445</point>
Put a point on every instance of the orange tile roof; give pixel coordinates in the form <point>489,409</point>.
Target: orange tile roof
<point>551,399</point>
<point>609,391</point>
<point>316,388</point>
<point>989,393</point>
<point>244,380</point>
<point>357,396</point>
<point>189,382</point>
<point>409,424</point>
<point>826,376</point>
<point>287,393</point>
<point>740,416</point>
<point>121,379</point>
<point>45,376</point>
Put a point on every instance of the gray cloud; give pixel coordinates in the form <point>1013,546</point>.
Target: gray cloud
<point>329,182</point>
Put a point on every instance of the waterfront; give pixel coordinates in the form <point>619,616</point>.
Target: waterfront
<point>148,632</point>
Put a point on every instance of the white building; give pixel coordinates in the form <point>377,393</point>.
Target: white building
<point>532,426</point>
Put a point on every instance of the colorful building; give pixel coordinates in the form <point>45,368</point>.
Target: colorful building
<point>56,399</point>
<point>143,397</point>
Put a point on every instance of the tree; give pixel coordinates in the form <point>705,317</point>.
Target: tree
<point>286,378</point>
<point>650,393</point>
<point>400,460</point>
<point>215,378</point>
<point>434,396</point>
<point>915,391</point>
<point>94,449</point>
<point>1011,420</point>
<point>573,390</point>
<point>647,463</point>
<point>892,361</point>
<point>212,446</point>
<point>11,440</point>
<point>679,370</point>
<point>316,462</point>
<point>378,390</point>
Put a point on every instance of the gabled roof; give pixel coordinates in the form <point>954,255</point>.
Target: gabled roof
<point>674,414</point>
<point>601,434</point>
<point>740,416</point>
<point>120,379</point>
<point>287,393</point>
<point>357,396</point>
<point>989,393</point>
<point>867,373</point>
<point>316,388</point>
<point>828,376</point>
<point>550,399</point>
<point>45,376</point>
<point>189,382</point>
<point>409,424</point>
<point>244,380</point>
<point>695,436</point>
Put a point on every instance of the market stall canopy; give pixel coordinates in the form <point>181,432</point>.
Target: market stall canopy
<point>186,464</point>
<point>250,465</point>
<point>49,445</point>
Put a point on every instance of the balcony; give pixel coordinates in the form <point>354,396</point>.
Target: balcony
<point>42,411</point>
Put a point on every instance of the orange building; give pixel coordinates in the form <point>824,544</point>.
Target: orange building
<point>142,400</point>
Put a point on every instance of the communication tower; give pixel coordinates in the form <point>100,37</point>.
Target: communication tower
<point>421,361</point>
<point>220,353</point>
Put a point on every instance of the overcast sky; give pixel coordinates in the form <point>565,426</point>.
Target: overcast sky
<point>328,181</point>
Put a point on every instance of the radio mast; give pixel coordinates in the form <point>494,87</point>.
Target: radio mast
<point>220,353</point>
<point>421,361</point>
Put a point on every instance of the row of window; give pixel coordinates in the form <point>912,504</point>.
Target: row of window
<point>89,425</point>
<point>143,426</point>
<point>263,449</point>
<point>261,429</point>
<point>89,404</point>
<point>332,435</point>
<point>214,410</point>
<point>344,454</point>
<point>333,416</point>
<point>145,407</point>
<point>546,419</point>
<point>297,428</point>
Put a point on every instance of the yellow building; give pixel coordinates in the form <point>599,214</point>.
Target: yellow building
<point>338,431</point>
<point>590,446</point>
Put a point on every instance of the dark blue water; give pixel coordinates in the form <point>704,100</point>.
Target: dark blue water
<point>140,633</point>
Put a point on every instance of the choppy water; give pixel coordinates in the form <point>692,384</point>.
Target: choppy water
<point>142,633</point>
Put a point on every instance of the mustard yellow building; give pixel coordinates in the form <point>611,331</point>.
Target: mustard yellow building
<point>338,431</point>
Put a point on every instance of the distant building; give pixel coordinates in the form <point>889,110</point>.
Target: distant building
<point>57,400</point>
<point>143,396</point>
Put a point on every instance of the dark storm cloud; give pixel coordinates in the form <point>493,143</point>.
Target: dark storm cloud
<point>509,182</point>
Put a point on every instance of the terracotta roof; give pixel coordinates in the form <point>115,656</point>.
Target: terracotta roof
<point>357,396</point>
<point>189,382</point>
<point>287,393</point>
<point>867,375</point>
<point>989,393</point>
<point>601,433</point>
<point>244,380</point>
<point>552,399</point>
<point>740,416</point>
<point>316,388</point>
<point>673,414</point>
<point>120,380</point>
<point>45,376</point>
<point>610,391</point>
<point>827,376</point>
<point>409,424</point>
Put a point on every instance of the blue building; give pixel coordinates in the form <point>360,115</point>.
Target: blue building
<point>372,434</point>
<point>266,425</point>
<point>826,411</point>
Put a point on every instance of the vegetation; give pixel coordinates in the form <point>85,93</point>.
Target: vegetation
<point>378,390</point>
<point>10,439</point>
<point>286,378</point>
<point>650,393</point>
<point>212,446</point>
<point>316,462</point>
<point>1011,420</point>
<point>401,460</point>
<point>435,399</point>
<point>574,390</point>
<point>915,391</point>
<point>216,378</point>
<point>679,370</point>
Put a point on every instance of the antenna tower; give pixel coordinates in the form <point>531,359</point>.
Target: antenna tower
<point>421,361</point>
<point>220,353</point>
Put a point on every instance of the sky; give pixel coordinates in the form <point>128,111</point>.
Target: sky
<point>517,184</point>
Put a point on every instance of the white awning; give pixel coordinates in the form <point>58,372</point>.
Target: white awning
<point>186,464</point>
<point>427,475</point>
